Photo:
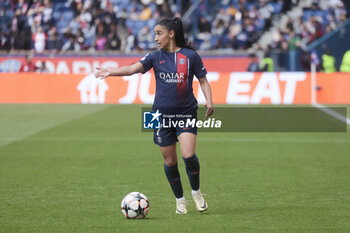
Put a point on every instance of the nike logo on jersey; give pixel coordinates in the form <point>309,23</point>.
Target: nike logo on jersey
<point>160,62</point>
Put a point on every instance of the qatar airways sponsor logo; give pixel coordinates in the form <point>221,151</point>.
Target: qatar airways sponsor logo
<point>172,77</point>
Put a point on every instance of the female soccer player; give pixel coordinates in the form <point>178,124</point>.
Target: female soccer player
<point>174,64</point>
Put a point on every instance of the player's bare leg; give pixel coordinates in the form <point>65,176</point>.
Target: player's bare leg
<point>187,144</point>
<point>169,155</point>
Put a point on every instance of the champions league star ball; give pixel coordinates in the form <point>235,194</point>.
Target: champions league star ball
<point>135,205</point>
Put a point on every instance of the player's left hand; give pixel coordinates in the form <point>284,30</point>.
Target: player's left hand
<point>102,73</point>
<point>210,110</point>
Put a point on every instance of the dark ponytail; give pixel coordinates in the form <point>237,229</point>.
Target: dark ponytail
<point>176,25</point>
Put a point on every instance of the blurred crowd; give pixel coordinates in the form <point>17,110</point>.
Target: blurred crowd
<point>52,26</point>
<point>315,22</point>
<point>78,25</point>
<point>237,24</point>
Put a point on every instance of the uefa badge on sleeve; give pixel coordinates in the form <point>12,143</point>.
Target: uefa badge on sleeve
<point>152,120</point>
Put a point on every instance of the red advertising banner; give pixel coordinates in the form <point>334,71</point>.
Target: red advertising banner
<point>86,65</point>
<point>227,88</point>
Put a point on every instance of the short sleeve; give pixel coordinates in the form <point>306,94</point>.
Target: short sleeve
<point>198,67</point>
<point>147,62</point>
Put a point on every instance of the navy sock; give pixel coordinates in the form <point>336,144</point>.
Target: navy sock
<point>173,175</point>
<point>192,168</point>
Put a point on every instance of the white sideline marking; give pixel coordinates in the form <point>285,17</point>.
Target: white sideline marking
<point>332,113</point>
<point>133,139</point>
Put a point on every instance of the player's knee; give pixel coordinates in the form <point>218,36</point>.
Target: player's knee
<point>169,162</point>
<point>187,154</point>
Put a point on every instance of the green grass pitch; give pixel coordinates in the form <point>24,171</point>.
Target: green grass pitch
<point>66,168</point>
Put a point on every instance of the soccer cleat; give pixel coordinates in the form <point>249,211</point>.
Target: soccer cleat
<point>201,204</point>
<point>181,207</point>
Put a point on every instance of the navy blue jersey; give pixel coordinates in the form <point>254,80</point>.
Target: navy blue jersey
<point>174,76</point>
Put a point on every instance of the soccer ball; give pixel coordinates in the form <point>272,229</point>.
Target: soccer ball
<point>135,205</point>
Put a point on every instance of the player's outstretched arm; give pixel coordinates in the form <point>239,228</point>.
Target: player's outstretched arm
<point>205,86</point>
<point>103,72</point>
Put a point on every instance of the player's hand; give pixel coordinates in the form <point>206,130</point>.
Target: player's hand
<point>210,110</point>
<point>102,73</point>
